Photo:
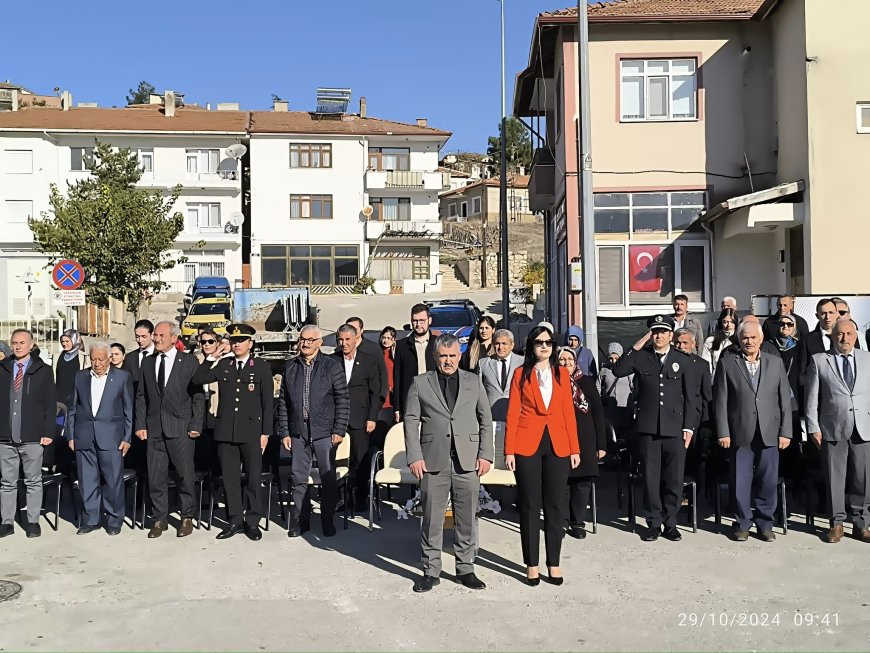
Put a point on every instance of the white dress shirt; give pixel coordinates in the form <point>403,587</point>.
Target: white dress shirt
<point>348,366</point>
<point>145,352</point>
<point>170,361</point>
<point>545,383</point>
<point>243,361</point>
<point>98,386</point>
<point>826,340</point>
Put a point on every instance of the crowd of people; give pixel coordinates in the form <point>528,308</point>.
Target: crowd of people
<point>683,402</point>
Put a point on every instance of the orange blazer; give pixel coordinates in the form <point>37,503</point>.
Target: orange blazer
<point>527,416</point>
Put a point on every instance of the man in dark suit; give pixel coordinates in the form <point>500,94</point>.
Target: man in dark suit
<point>169,415</point>
<point>784,306</point>
<point>666,414</point>
<point>702,381</point>
<point>143,332</point>
<point>242,428</point>
<point>313,410</point>
<point>820,339</point>
<point>415,355</point>
<point>373,349</point>
<point>99,428</point>
<point>753,418</point>
<point>28,408</point>
<point>363,386</point>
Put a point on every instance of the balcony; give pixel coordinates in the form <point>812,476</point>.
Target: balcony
<point>542,181</point>
<point>220,180</point>
<point>223,234</point>
<point>404,229</point>
<point>406,180</point>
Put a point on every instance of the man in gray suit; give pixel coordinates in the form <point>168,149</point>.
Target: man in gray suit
<point>838,420</point>
<point>99,426</point>
<point>753,418</point>
<point>448,440</point>
<point>169,415</point>
<point>496,373</point>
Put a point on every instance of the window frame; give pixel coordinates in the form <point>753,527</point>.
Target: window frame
<point>402,154</point>
<point>200,208</point>
<point>14,151</point>
<point>670,58</point>
<point>479,201</point>
<point>147,152</point>
<point>463,209</point>
<point>451,210</point>
<point>632,207</point>
<point>859,107</point>
<point>87,151</point>
<point>7,205</point>
<point>378,204</point>
<point>306,199</point>
<point>200,154</point>
<point>323,150</point>
<point>288,260</point>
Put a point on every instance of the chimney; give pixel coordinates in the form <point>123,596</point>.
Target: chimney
<point>362,106</point>
<point>282,106</point>
<point>169,104</point>
<point>15,99</point>
<point>228,106</point>
<point>65,100</point>
<point>422,122</point>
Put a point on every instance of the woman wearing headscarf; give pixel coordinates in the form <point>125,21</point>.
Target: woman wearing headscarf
<point>726,327</point>
<point>585,358</point>
<point>617,393</point>
<point>795,358</point>
<point>481,344</point>
<point>71,360</point>
<point>593,441</point>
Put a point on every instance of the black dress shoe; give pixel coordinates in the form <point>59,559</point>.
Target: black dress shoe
<point>6,530</point>
<point>113,531</point>
<point>426,584</point>
<point>740,535</point>
<point>329,530</point>
<point>84,530</point>
<point>577,532</point>
<point>230,531</point>
<point>671,533</point>
<point>765,536</point>
<point>471,581</point>
<point>253,533</point>
<point>650,535</point>
<point>294,531</point>
<point>33,530</point>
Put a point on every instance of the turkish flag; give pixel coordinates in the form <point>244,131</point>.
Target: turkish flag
<point>645,275</point>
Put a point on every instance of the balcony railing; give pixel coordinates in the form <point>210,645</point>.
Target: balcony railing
<point>346,280</point>
<point>407,180</point>
<point>425,229</point>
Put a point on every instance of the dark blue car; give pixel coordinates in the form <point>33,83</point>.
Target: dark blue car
<point>456,316</point>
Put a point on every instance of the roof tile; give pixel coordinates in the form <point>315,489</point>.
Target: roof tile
<point>664,9</point>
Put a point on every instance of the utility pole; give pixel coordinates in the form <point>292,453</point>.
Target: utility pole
<point>503,222</point>
<point>584,183</point>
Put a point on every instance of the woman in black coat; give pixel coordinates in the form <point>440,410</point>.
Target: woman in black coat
<point>593,442</point>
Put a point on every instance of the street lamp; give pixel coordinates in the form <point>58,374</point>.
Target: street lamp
<point>29,279</point>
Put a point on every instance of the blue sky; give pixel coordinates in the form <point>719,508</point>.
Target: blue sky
<point>437,59</point>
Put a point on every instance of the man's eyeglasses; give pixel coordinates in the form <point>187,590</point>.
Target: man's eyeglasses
<point>308,341</point>
<point>543,343</point>
<point>423,321</point>
<point>207,342</point>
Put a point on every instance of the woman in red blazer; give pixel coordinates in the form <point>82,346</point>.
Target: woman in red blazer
<point>541,447</point>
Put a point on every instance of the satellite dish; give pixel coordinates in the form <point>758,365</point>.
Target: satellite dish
<point>236,151</point>
<point>368,210</point>
<point>237,218</point>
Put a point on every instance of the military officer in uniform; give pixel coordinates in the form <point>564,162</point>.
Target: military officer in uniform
<point>667,411</point>
<point>243,427</point>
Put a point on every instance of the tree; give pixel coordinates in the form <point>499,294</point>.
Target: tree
<point>141,95</point>
<point>120,233</point>
<point>519,146</point>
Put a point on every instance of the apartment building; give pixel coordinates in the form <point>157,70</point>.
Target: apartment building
<point>728,139</point>
<point>175,145</point>
<point>335,197</point>
<point>480,200</point>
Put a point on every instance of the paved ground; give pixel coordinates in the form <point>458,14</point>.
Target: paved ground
<point>353,592</point>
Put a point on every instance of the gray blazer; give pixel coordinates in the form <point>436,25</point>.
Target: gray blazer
<point>489,370</point>
<point>430,428</point>
<point>740,410</point>
<point>831,407</point>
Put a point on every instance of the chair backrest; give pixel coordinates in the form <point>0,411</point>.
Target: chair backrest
<point>394,448</point>
<point>60,422</point>
<point>342,453</point>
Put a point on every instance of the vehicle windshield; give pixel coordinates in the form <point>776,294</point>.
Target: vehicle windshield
<point>217,308</point>
<point>452,319</point>
<point>209,294</point>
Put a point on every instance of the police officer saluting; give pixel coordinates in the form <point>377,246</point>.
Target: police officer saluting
<point>666,412</point>
<point>243,427</point>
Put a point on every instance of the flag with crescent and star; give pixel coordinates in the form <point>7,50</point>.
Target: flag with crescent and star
<point>645,273</point>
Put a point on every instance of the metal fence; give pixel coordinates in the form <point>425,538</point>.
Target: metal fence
<point>46,333</point>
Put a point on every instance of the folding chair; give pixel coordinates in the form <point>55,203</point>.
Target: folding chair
<point>389,467</point>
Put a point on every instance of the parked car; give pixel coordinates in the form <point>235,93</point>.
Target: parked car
<point>209,312</point>
<point>456,316</point>
<point>207,287</point>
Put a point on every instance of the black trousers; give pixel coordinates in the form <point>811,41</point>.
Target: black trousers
<point>541,480</point>
<point>322,454</point>
<point>360,459</point>
<point>578,492</point>
<point>662,460</point>
<point>179,451</point>
<point>234,456</point>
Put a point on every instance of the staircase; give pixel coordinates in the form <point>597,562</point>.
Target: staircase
<point>450,281</point>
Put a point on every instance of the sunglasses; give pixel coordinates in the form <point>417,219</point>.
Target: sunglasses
<point>207,342</point>
<point>543,343</point>
<point>786,325</point>
<point>843,312</point>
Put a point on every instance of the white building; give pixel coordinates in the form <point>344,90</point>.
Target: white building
<point>185,145</point>
<point>334,197</point>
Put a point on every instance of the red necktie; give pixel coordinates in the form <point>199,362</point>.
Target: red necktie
<point>19,377</point>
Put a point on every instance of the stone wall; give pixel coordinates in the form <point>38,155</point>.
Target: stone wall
<point>469,269</point>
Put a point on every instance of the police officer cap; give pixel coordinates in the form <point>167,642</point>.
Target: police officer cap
<point>241,330</point>
<point>665,322</point>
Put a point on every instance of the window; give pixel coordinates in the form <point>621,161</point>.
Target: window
<point>81,158</point>
<point>658,89</point>
<point>146,160</point>
<point>451,210</point>
<point>309,265</point>
<point>17,211</point>
<point>647,213</point>
<point>203,216</point>
<point>316,207</point>
<point>391,208</point>
<point>310,155</point>
<point>475,205</point>
<point>390,158</point>
<point>18,162</point>
<point>399,263</point>
<point>862,116</point>
<point>202,162</point>
<point>611,275</point>
<point>463,210</point>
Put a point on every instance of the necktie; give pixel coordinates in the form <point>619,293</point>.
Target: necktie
<point>848,374</point>
<point>19,377</point>
<point>240,365</point>
<point>142,354</point>
<point>661,358</point>
<point>161,374</point>
<point>503,374</point>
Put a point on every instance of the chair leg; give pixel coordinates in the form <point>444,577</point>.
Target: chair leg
<point>594,509</point>
<point>268,503</point>
<point>694,507</point>
<point>717,497</point>
<point>210,504</point>
<point>784,502</point>
<point>631,520</point>
<point>619,493</point>
<point>144,504</point>
<point>56,508</point>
